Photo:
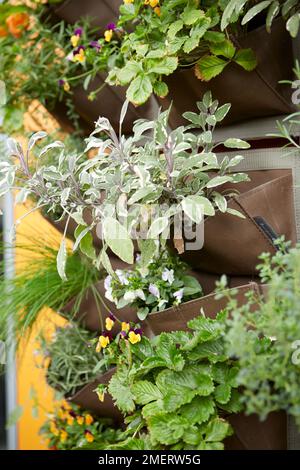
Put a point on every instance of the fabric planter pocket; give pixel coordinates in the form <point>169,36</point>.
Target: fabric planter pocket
<point>100,12</point>
<point>176,318</point>
<point>252,434</point>
<point>109,103</point>
<point>232,244</point>
<point>252,94</point>
<point>88,399</point>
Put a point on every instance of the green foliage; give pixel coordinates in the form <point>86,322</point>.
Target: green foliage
<point>38,284</point>
<point>247,10</point>
<point>140,188</point>
<point>150,43</point>
<point>179,395</point>
<point>72,360</point>
<point>32,64</point>
<point>265,339</point>
<point>161,284</point>
<point>69,427</point>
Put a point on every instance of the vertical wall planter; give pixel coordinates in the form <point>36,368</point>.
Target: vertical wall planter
<point>232,244</point>
<point>252,94</point>
<point>88,399</point>
<point>100,12</point>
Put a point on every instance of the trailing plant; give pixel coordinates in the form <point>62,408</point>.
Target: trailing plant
<point>153,38</point>
<point>72,362</point>
<point>163,283</point>
<point>178,386</point>
<point>32,63</point>
<point>134,187</point>
<point>70,427</point>
<point>264,337</point>
<point>37,284</point>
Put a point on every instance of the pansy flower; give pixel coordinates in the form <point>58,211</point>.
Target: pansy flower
<point>88,435</point>
<point>75,38</point>
<point>135,336</point>
<point>95,45</point>
<point>109,322</point>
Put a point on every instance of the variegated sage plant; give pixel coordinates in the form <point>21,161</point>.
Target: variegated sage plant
<point>177,170</point>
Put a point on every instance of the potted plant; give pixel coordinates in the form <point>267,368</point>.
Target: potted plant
<point>69,427</point>
<point>181,389</point>
<point>74,369</point>
<point>164,47</point>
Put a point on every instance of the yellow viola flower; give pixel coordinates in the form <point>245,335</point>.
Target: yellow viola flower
<point>128,1</point>
<point>157,11</point>
<point>103,341</point>
<point>153,3</point>
<point>80,419</point>
<point>66,405</point>
<point>66,86</point>
<point>62,415</point>
<point>89,419</point>
<point>89,436</point>
<point>53,429</point>
<point>125,326</point>
<point>63,436</point>
<point>134,338</point>
<point>108,35</point>
<point>75,40</point>
<point>109,323</point>
<point>70,420</point>
<point>80,56</point>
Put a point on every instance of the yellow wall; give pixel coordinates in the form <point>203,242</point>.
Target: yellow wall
<point>28,375</point>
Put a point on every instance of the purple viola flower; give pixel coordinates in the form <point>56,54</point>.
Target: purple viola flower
<point>61,82</point>
<point>123,334</point>
<point>153,289</point>
<point>78,32</point>
<point>138,331</point>
<point>178,295</point>
<point>111,26</point>
<point>95,45</point>
<point>112,317</point>
<point>78,49</point>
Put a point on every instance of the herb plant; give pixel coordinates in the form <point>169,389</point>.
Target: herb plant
<point>264,337</point>
<point>178,386</point>
<point>162,284</point>
<point>173,171</point>
<point>38,284</point>
<point>72,360</point>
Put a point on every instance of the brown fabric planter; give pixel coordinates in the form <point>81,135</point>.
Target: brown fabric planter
<point>252,94</point>
<point>176,318</point>
<point>101,12</point>
<point>88,399</point>
<point>252,434</point>
<point>109,103</point>
<point>232,245</point>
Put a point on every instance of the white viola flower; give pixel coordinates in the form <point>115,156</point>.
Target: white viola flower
<point>122,276</point>
<point>130,295</point>
<point>109,296</point>
<point>168,275</point>
<point>178,295</point>
<point>107,282</point>
<point>70,57</point>
<point>153,289</point>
